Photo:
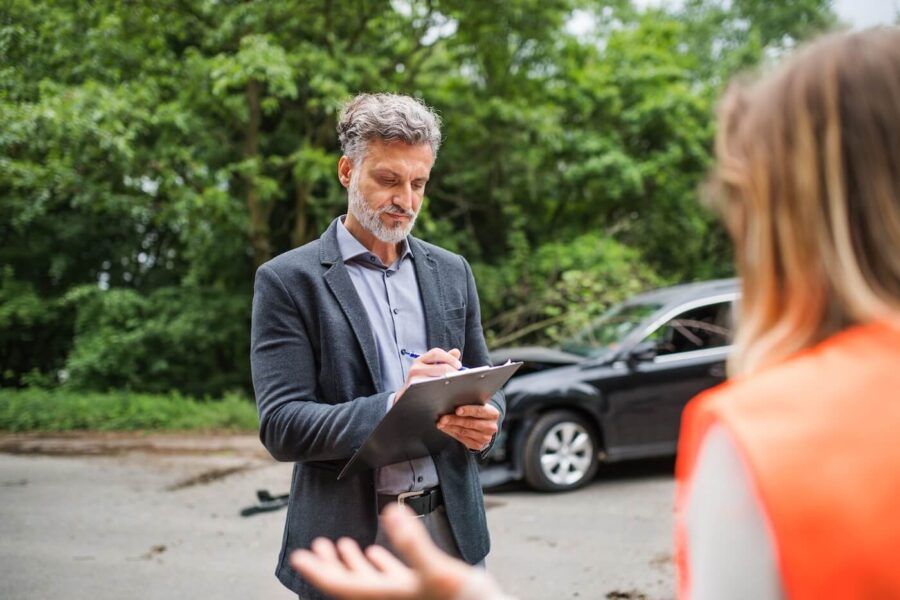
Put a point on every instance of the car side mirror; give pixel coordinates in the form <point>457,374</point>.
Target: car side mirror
<point>643,352</point>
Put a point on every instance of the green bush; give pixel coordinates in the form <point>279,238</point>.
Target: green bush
<point>35,332</point>
<point>190,339</point>
<point>35,409</point>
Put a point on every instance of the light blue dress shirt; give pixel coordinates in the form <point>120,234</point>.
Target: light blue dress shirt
<point>390,295</point>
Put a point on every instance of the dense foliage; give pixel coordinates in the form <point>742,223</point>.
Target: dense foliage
<point>153,154</point>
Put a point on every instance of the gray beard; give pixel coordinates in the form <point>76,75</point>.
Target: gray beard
<point>371,219</point>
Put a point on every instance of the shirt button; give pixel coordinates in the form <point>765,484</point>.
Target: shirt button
<point>389,273</point>
<point>419,479</point>
<point>371,259</point>
<point>396,311</point>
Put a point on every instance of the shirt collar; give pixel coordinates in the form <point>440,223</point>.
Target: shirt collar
<point>352,249</point>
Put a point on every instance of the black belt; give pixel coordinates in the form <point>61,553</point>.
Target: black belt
<point>422,502</point>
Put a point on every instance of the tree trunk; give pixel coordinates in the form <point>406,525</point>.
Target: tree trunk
<point>259,214</point>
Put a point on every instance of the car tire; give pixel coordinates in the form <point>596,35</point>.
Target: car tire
<point>560,452</point>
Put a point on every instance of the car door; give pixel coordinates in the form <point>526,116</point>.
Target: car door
<point>644,408</point>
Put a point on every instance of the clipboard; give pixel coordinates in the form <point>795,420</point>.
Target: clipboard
<point>409,430</point>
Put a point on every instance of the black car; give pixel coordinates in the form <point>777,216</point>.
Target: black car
<point>616,390</point>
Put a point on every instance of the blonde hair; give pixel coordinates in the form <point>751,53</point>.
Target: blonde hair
<point>808,184</point>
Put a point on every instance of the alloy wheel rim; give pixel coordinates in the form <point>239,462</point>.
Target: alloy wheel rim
<point>566,452</point>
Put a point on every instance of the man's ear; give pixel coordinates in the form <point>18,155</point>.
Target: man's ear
<point>345,169</point>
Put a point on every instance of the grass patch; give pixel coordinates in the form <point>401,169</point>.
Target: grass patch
<point>33,409</point>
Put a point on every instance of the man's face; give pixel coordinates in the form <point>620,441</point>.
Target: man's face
<point>387,187</point>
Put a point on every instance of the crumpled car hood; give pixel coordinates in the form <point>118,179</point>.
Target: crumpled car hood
<point>541,354</point>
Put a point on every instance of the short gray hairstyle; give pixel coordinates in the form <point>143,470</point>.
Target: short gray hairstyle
<point>386,117</point>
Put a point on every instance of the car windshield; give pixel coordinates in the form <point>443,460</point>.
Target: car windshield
<point>607,332</point>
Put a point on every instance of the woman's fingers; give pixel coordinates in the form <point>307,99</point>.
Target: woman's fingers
<point>387,563</point>
<point>324,549</point>
<point>442,576</point>
<point>353,557</point>
<point>410,538</point>
<point>328,574</point>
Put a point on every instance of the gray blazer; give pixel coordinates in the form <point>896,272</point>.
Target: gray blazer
<point>316,375</point>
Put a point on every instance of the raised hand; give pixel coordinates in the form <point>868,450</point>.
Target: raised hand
<point>344,571</point>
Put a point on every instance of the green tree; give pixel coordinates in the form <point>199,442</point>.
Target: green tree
<point>154,154</point>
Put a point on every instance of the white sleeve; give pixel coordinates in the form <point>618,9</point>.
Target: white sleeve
<point>729,548</point>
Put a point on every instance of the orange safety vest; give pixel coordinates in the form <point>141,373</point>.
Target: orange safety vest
<point>820,437</point>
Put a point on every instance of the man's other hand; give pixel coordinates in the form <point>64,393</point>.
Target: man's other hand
<point>344,571</point>
<point>433,363</point>
<point>473,426</point>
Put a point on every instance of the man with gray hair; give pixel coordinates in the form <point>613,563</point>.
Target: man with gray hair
<point>337,325</point>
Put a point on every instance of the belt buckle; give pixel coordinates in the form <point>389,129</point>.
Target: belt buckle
<point>402,497</point>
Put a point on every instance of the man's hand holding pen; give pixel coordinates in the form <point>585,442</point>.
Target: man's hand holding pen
<point>473,426</point>
<point>433,363</point>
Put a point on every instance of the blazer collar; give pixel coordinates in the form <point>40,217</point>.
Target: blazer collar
<point>329,250</point>
<point>432,293</point>
<point>338,280</point>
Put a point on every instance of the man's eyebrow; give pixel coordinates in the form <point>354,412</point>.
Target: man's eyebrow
<point>387,172</point>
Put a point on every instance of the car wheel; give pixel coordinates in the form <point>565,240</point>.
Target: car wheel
<point>560,452</point>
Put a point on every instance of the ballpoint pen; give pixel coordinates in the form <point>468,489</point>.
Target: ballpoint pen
<point>413,355</point>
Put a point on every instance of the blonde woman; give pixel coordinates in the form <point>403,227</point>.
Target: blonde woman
<point>789,474</point>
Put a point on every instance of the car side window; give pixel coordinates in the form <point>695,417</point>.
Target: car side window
<point>695,329</point>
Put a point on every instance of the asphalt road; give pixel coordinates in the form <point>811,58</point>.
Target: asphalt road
<point>130,516</point>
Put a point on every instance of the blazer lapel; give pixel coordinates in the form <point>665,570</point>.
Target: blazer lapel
<point>429,280</point>
<point>338,280</point>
